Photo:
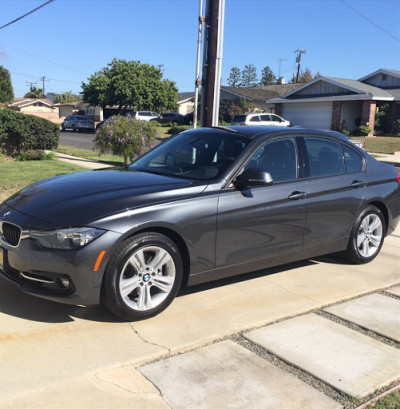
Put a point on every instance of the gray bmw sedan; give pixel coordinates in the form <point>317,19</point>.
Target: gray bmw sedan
<point>205,204</point>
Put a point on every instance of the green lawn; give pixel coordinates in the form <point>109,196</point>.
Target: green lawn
<point>391,401</point>
<point>91,155</point>
<point>16,175</point>
<point>381,144</point>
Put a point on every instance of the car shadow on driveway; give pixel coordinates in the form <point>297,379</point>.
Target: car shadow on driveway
<point>15,303</point>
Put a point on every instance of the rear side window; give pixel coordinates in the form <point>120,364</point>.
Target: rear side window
<point>239,118</point>
<point>352,160</point>
<point>324,157</point>
<point>255,119</point>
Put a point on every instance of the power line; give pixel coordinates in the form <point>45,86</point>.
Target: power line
<point>27,14</point>
<point>45,60</point>
<point>370,21</point>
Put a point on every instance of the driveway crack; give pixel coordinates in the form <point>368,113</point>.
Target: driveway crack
<point>295,293</point>
<point>148,342</point>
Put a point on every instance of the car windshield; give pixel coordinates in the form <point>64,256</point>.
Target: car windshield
<point>194,155</point>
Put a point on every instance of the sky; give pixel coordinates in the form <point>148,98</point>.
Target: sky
<point>69,40</point>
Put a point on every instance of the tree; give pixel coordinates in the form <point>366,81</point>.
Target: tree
<point>34,93</point>
<point>66,97</point>
<point>234,77</point>
<point>130,84</point>
<point>249,76</point>
<point>305,76</point>
<point>267,76</point>
<point>125,136</point>
<point>6,89</point>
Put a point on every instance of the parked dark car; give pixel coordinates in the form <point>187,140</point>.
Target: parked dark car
<point>206,204</point>
<point>170,117</point>
<point>78,123</point>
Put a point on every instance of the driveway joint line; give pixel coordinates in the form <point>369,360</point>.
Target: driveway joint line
<point>359,328</point>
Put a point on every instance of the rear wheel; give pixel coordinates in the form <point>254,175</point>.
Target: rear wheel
<point>143,277</point>
<point>367,236</point>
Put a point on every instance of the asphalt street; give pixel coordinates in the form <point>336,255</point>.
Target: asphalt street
<point>77,139</point>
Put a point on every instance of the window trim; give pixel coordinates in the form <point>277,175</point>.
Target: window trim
<point>363,167</point>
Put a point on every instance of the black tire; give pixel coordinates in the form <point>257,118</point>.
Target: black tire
<point>74,129</point>
<point>119,270</point>
<point>62,128</point>
<point>361,241</point>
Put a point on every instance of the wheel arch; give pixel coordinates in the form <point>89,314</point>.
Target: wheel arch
<point>381,206</point>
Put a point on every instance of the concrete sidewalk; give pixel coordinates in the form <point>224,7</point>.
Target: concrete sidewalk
<point>85,163</point>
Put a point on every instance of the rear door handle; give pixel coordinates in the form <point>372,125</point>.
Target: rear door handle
<point>357,183</point>
<point>297,195</point>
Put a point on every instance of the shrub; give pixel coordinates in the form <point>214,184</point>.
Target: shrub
<point>36,154</point>
<point>362,130</point>
<point>178,128</point>
<point>22,133</point>
<point>125,136</point>
<point>345,131</point>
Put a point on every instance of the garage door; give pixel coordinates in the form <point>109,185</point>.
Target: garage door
<point>312,115</point>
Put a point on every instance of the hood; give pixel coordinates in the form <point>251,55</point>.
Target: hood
<point>78,199</point>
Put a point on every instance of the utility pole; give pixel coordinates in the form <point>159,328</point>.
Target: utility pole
<point>31,84</point>
<point>212,60</point>
<point>43,80</point>
<point>198,79</point>
<point>298,60</point>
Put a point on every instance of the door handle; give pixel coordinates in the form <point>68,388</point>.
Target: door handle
<point>297,195</point>
<point>357,183</point>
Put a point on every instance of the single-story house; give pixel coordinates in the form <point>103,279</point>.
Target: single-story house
<point>339,103</point>
<point>254,97</point>
<point>43,108</point>
<point>66,109</point>
<point>185,102</point>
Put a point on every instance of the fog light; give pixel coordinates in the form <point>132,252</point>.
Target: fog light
<point>65,282</point>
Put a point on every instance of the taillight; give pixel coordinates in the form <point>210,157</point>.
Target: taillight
<point>398,177</point>
<point>242,123</point>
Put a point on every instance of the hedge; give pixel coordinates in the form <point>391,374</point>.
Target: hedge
<point>21,133</point>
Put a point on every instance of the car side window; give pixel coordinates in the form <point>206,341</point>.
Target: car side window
<point>265,118</point>
<point>353,160</point>
<point>278,158</point>
<point>324,157</point>
<point>255,119</point>
<point>275,118</point>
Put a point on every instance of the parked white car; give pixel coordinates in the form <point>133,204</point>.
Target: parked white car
<point>145,115</point>
<point>260,119</point>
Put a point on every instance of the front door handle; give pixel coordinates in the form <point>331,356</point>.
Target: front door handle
<point>357,183</point>
<point>297,195</point>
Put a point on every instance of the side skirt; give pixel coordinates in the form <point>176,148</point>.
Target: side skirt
<point>314,250</point>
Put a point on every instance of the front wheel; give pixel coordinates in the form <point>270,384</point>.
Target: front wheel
<point>143,276</point>
<point>367,236</point>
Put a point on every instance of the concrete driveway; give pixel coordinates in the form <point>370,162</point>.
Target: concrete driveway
<point>56,356</point>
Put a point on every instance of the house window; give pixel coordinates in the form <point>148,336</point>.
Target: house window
<point>384,76</point>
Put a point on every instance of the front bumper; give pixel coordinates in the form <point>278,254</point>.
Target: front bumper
<point>42,272</point>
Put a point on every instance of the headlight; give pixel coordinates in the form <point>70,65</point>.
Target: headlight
<point>66,239</point>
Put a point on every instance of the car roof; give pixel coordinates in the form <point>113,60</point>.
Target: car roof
<point>256,131</point>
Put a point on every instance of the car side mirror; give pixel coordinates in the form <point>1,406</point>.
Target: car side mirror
<point>253,177</point>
